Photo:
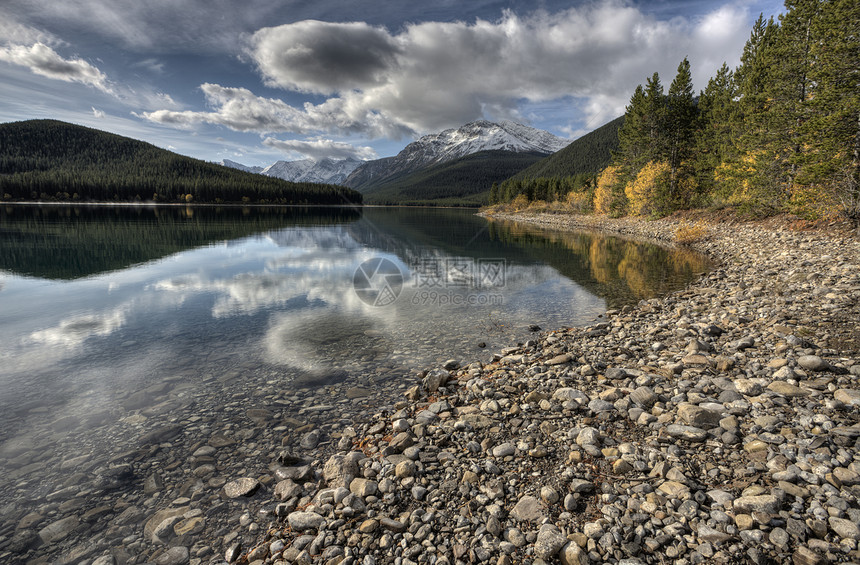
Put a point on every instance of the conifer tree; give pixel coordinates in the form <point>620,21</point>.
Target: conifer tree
<point>831,135</point>
<point>655,119</point>
<point>742,172</point>
<point>789,90</point>
<point>680,126</point>
<point>633,136</point>
<point>717,129</point>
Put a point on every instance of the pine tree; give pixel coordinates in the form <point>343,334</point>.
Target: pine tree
<point>831,135</point>
<point>743,172</point>
<point>655,119</point>
<point>633,136</point>
<point>790,90</point>
<point>679,128</point>
<point>718,127</point>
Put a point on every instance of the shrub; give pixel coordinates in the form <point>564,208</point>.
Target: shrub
<point>688,233</point>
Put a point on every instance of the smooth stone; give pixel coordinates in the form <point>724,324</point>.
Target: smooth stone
<point>581,486</point>
<point>812,363</point>
<point>674,489</point>
<point>159,517</point>
<point>766,503</point>
<point>246,486</point>
<point>363,487</point>
<point>177,555</point>
<point>698,417</point>
<point>301,520</point>
<point>848,397</point>
<point>189,526</point>
<point>845,528</point>
<point>504,450</point>
<point>689,433</point>
<point>56,531</point>
<point>527,509</point>
<point>572,554</point>
<point>788,390</point>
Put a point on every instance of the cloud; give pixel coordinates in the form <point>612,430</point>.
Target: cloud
<point>321,149</point>
<point>98,113</point>
<point>72,332</point>
<point>432,75</point>
<point>241,110</point>
<point>15,32</point>
<point>435,74</point>
<point>322,57</point>
<point>151,65</point>
<point>43,60</point>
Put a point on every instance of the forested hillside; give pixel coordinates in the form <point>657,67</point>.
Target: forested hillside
<point>465,181</point>
<point>50,160</point>
<point>779,133</point>
<point>571,169</point>
<point>588,154</point>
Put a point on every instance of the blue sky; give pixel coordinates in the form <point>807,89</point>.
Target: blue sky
<point>255,81</point>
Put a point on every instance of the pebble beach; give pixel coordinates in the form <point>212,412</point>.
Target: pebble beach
<point>718,423</point>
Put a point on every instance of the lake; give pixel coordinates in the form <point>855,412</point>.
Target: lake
<point>129,336</point>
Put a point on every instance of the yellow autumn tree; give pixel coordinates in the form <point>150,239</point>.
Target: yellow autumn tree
<point>647,193</point>
<point>608,197</point>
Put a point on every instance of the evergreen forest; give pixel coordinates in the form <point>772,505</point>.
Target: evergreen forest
<point>778,133</point>
<point>49,160</point>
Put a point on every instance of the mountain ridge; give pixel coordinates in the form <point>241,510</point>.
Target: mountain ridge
<point>454,143</point>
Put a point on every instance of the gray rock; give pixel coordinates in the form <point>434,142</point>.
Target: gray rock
<point>644,397</point>
<point>503,450</point>
<point>766,503</point>
<point>698,416</point>
<point>56,531</point>
<point>310,440</point>
<point>363,487</point>
<point>845,528</point>
<point>527,509</point>
<point>549,542</point>
<point>301,520</point>
<point>848,397</point>
<point>246,486</point>
<point>581,486</point>
<point>812,363</point>
<point>689,433</point>
<point>174,556</point>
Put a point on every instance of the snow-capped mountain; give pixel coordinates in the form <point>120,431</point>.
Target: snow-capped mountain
<point>240,166</point>
<point>331,171</point>
<point>325,171</point>
<point>481,135</point>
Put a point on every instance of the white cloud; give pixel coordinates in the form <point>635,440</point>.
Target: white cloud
<point>321,148</point>
<point>241,110</point>
<point>98,113</point>
<point>72,332</point>
<point>43,60</point>
<point>433,75</point>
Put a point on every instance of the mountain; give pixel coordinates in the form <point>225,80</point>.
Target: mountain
<point>49,160</point>
<point>240,166</point>
<point>463,181</point>
<point>452,144</point>
<point>326,171</point>
<point>331,171</point>
<point>587,154</point>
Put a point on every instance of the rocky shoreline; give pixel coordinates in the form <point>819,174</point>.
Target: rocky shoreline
<point>721,422</point>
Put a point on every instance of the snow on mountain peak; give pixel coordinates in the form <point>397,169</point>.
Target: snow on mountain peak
<point>482,135</point>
